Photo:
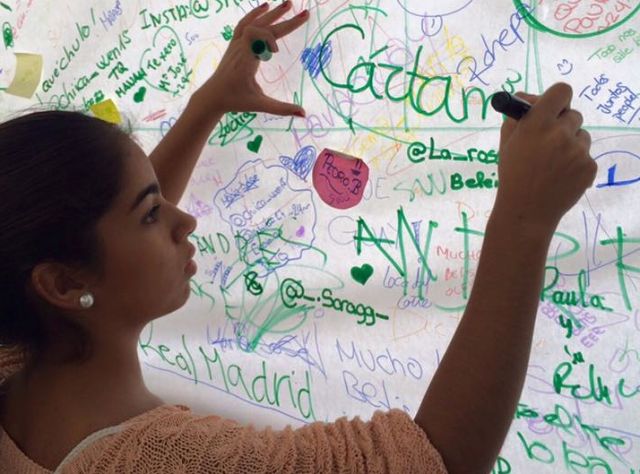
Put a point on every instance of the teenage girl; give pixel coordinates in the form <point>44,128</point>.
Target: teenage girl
<point>93,247</point>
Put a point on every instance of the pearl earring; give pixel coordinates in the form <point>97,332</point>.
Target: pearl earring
<point>86,300</point>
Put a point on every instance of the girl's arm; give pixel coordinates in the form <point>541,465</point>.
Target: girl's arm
<point>232,87</point>
<point>175,157</point>
<point>544,168</point>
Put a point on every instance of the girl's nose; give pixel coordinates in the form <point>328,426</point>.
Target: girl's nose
<point>187,225</point>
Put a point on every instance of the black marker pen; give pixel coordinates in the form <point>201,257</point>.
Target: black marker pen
<point>510,105</point>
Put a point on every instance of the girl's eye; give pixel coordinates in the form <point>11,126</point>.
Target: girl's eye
<point>153,214</point>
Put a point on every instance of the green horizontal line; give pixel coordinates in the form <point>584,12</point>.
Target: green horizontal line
<point>420,129</point>
<point>386,129</point>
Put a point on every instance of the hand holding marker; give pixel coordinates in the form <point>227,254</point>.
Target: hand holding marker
<point>233,86</point>
<point>260,47</point>
<point>544,155</point>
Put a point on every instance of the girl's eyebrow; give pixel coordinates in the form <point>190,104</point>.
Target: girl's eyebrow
<point>153,188</point>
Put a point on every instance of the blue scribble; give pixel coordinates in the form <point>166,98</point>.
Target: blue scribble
<point>313,61</point>
<point>302,163</point>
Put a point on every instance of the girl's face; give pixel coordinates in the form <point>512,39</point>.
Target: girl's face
<point>146,249</point>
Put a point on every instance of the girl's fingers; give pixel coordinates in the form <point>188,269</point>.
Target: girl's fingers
<point>285,27</point>
<point>249,18</point>
<point>553,102</point>
<point>276,107</point>
<point>271,41</point>
<point>585,138</point>
<point>573,119</point>
<point>273,15</point>
<point>507,128</point>
<point>532,99</point>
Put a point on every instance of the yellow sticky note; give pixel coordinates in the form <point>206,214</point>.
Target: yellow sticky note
<point>27,76</point>
<point>107,111</point>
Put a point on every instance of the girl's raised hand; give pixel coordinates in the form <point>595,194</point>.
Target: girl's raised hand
<point>233,86</point>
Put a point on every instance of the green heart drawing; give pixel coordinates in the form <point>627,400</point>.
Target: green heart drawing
<point>362,274</point>
<point>169,73</point>
<point>254,145</point>
<point>139,96</point>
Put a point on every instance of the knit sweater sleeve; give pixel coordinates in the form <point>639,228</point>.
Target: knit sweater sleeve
<point>389,443</point>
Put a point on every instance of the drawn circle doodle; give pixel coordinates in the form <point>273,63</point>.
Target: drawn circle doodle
<point>577,19</point>
<point>616,181</point>
<point>614,169</point>
<point>237,220</point>
<point>254,287</point>
<point>436,9</point>
<point>432,19</point>
<point>432,25</point>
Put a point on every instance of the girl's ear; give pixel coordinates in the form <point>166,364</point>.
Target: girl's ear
<point>58,285</point>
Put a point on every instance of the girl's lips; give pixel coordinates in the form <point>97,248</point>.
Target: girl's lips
<point>191,267</point>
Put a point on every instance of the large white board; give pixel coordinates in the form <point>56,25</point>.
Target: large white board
<point>304,311</point>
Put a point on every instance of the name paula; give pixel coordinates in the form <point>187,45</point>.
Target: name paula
<point>572,298</point>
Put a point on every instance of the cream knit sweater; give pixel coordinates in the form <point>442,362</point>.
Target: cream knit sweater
<point>172,439</point>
